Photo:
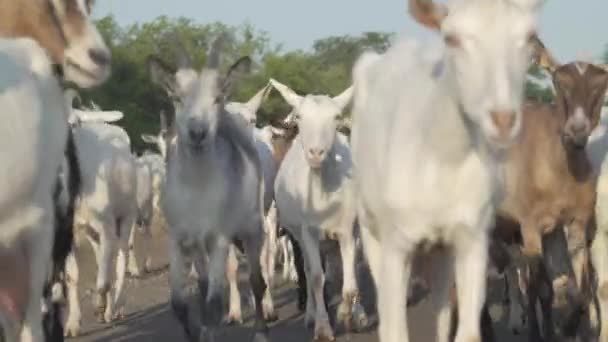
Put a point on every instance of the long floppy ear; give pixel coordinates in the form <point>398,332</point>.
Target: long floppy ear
<point>162,74</point>
<point>148,138</point>
<point>289,95</point>
<point>236,72</point>
<point>427,13</point>
<point>344,98</point>
<point>542,57</point>
<point>256,101</point>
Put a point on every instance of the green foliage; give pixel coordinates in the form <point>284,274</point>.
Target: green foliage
<point>326,69</point>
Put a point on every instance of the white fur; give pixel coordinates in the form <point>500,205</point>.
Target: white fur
<point>108,205</point>
<point>314,198</point>
<point>597,149</point>
<point>423,174</point>
<point>212,194</point>
<point>150,178</point>
<point>33,134</point>
<point>263,144</point>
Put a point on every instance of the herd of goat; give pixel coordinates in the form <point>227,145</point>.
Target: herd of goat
<point>447,168</point>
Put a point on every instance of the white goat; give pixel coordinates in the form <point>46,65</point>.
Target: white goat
<point>213,194</point>
<point>33,137</point>
<point>263,144</point>
<point>107,207</point>
<point>315,200</point>
<point>150,179</point>
<point>33,134</point>
<point>428,129</point>
<point>597,148</point>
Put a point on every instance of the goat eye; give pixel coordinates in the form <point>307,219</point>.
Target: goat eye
<point>452,40</point>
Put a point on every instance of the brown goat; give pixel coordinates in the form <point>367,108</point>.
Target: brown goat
<point>550,192</point>
<point>65,30</point>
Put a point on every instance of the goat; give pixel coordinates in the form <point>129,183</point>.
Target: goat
<point>550,190</point>
<point>150,179</point>
<point>107,208</point>
<point>72,41</point>
<point>314,199</point>
<point>213,193</point>
<point>430,126</point>
<point>597,148</point>
<point>263,144</point>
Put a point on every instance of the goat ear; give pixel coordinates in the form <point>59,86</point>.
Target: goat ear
<point>162,74</point>
<point>148,138</point>
<point>344,98</point>
<point>235,73</point>
<point>427,13</point>
<point>256,101</point>
<point>289,95</point>
<point>542,57</point>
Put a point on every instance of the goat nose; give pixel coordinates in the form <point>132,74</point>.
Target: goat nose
<point>317,152</point>
<point>100,57</point>
<point>504,120</point>
<point>196,132</point>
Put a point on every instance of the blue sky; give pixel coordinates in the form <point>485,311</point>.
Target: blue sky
<point>567,27</point>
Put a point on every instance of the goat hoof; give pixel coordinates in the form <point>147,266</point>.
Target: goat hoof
<point>323,332</point>
<point>119,315</point>
<point>233,319</point>
<point>72,329</point>
<point>271,317</point>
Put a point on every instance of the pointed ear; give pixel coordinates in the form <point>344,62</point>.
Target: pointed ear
<point>542,57</point>
<point>236,72</point>
<point>427,13</point>
<point>148,138</point>
<point>162,74</point>
<point>344,98</point>
<point>256,101</point>
<point>288,95</point>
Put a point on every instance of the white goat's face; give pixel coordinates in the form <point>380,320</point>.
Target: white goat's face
<point>85,57</point>
<point>201,96</point>
<point>488,54</point>
<point>198,118</point>
<point>317,118</point>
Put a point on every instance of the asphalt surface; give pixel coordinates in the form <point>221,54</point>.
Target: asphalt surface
<point>149,317</point>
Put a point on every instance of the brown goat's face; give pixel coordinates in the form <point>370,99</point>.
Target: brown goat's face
<point>65,29</point>
<point>581,89</point>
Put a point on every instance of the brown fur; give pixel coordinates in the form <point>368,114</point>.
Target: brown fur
<point>35,19</point>
<point>550,183</point>
<point>281,144</point>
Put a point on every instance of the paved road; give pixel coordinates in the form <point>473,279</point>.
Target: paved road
<point>149,317</point>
